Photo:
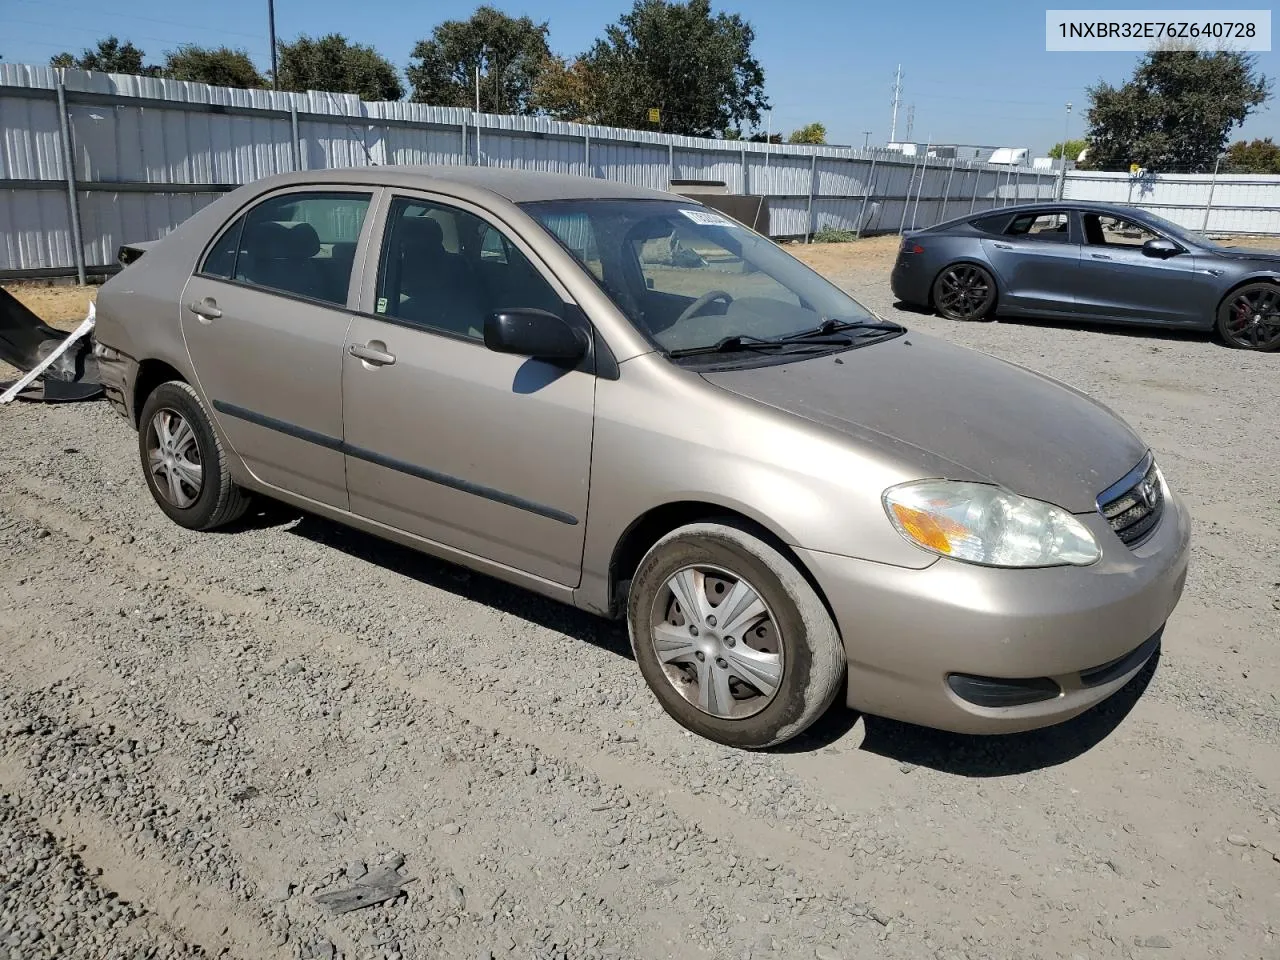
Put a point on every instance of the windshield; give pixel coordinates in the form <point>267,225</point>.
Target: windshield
<point>1178,233</point>
<point>689,277</point>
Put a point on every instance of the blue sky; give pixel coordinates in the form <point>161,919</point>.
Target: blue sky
<point>976,72</point>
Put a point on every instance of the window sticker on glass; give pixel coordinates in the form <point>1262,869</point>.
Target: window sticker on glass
<point>382,304</point>
<point>706,218</point>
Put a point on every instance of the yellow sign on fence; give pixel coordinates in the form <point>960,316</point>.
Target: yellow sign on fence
<point>654,115</point>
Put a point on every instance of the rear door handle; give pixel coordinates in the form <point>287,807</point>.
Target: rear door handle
<point>374,353</point>
<point>1099,256</point>
<point>206,309</point>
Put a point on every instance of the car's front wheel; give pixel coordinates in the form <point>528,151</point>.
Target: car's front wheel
<point>964,291</point>
<point>731,638</point>
<point>183,462</point>
<point>1249,318</point>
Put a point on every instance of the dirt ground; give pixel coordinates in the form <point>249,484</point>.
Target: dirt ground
<point>205,731</point>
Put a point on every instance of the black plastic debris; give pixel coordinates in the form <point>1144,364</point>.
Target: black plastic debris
<point>377,886</point>
<point>26,342</point>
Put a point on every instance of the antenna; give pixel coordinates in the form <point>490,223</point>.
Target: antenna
<point>897,101</point>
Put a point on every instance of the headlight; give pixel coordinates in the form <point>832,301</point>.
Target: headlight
<point>981,523</point>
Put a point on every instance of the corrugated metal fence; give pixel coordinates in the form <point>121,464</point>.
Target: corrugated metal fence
<point>1238,204</point>
<point>148,153</point>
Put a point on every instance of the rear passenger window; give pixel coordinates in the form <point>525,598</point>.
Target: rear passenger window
<point>1040,226</point>
<point>994,224</point>
<point>302,244</point>
<point>447,269</point>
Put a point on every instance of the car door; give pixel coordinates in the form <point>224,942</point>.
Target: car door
<point>265,320</point>
<point>484,452</point>
<point>1036,258</point>
<point>1119,281</point>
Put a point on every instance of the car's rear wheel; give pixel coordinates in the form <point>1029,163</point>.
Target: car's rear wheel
<point>1249,318</point>
<point>731,638</point>
<point>183,462</point>
<point>964,291</point>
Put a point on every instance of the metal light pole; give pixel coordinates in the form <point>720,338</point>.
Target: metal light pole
<point>271,27</point>
<point>866,138</point>
<point>1062,174</point>
<point>1209,203</point>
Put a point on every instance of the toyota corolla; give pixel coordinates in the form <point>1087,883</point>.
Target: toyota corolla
<point>624,400</point>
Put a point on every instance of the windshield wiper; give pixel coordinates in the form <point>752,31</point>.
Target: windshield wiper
<point>830,326</point>
<point>746,341</point>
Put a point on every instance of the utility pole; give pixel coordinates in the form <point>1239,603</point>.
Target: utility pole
<point>271,27</point>
<point>478,59</point>
<point>1062,174</point>
<point>897,101</point>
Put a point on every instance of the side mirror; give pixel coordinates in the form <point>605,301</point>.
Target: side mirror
<point>1160,247</point>
<point>528,332</point>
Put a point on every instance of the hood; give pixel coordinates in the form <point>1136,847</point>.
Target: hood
<point>1247,253</point>
<point>992,420</point>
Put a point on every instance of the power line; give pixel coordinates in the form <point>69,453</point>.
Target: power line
<point>203,28</point>
<point>169,42</point>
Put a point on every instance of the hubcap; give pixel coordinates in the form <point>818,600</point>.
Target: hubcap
<point>964,291</point>
<point>1253,319</point>
<point>717,641</point>
<point>173,457</point>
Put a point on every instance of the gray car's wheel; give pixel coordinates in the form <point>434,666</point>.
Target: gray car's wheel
<point>731,638</point>
<point>964,291</point>
<point>1249,318</point>
<point>183,461</point>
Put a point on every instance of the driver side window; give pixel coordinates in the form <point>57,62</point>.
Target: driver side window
<point>1102,230</point>
<point>686,264</point>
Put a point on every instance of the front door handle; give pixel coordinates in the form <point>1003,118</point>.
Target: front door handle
<point>1099,256</point>
<point>373,353</point>
<point>1002,246</point>
<point>206,309</point>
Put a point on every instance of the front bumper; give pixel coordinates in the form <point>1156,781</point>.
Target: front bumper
<point>908,632</point>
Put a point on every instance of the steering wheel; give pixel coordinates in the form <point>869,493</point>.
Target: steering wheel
<point>711,296</point>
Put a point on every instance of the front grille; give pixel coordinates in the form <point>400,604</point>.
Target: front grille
<point>1135,510</point>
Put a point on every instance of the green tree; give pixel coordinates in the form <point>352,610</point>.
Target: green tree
<point>109,56</point>
<point>219,67</point>
<point>1074,148</point>
<point>510,53</point>
<point>1255,156</point>
<point>567,91</point>
<point>1177,111</point>
<point>810,133</point>
<point>695,67</point>
<point>335,64</point>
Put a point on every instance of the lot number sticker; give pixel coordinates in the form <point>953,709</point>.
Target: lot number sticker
<point>706,218</point>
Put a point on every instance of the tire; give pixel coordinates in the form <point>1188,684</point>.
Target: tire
<point>1249,318</point>
<point>186,454</point>
<point>964,291</point>
<point>727,565</point>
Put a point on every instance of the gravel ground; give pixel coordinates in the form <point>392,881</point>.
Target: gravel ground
<point>205,732</point>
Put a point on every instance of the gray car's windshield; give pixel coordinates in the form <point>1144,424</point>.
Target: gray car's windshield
<point>693,279</point>
<point>1171,229</point>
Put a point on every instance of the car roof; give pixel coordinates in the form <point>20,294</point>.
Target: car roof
<point>1107,208</point>
<point>518,186</point>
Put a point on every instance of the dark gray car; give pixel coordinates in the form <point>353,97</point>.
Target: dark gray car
<point>1093,263</point>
